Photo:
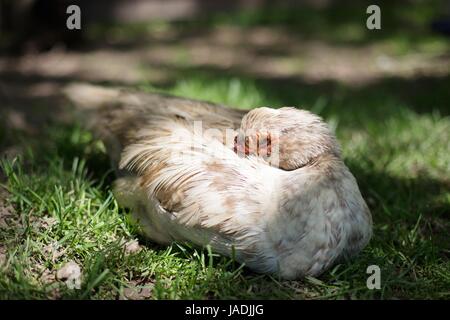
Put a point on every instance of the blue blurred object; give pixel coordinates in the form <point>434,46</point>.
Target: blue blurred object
<point>441,26</point>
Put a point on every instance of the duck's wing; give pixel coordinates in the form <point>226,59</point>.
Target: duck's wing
<point>203,192</point>
<point>117,114</point>
<point>186,184</point>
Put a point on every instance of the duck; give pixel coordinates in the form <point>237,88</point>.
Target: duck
<point>267,186</point>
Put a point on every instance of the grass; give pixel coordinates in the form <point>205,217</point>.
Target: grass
<point>401,163</point>
<point>395,136</point>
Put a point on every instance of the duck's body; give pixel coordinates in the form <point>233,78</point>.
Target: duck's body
<point>184,184</point>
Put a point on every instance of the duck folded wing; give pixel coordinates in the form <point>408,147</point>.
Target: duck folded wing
<point>115,115</point>
<point>200,186</point>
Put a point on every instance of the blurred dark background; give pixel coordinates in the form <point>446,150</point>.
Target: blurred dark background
<point>39,24</point>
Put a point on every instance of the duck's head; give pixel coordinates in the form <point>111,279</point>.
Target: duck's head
<point>287,138</point>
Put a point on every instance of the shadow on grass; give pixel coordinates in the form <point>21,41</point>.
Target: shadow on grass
<point>405,24</point>
<point>355,106</point>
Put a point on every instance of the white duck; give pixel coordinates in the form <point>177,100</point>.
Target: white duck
<point>267,186</point>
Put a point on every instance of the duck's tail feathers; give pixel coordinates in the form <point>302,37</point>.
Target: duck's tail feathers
<point>109,113</point>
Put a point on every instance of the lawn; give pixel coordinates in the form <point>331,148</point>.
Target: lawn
<point>56,203</point>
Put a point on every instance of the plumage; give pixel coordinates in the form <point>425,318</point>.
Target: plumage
<point>293,211</point>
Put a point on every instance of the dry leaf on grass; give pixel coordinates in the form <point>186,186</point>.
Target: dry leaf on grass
<point>70,273</point>
<point>132,246</point>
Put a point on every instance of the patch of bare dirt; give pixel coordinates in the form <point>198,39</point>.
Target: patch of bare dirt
<point>48,276</point>
<point>54,251</point>
<point>137,290</point>
<point>44,223</point>
<point>6,209</point>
